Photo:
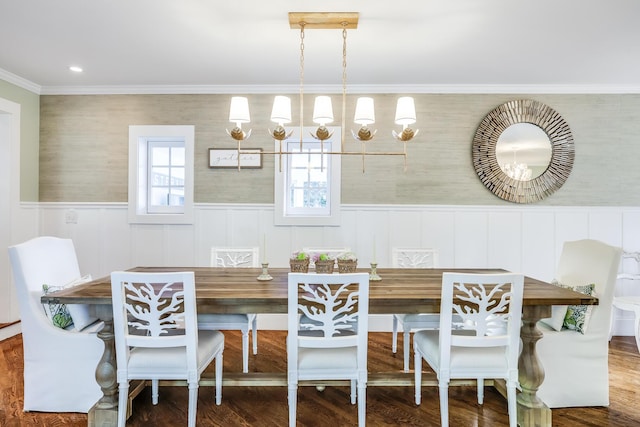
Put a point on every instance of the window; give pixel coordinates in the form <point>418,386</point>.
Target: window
<point>161,174</point>
<point>165,176</point>
<point>307,185</point>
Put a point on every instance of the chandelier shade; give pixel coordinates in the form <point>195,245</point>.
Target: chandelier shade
<point>239,110</point>
<point>405,111</point>
<point>281,112</point>
<point>365,112</point>
<point>322,110</point>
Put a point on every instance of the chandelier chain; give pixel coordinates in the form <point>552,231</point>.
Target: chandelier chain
<point>344,83</point>
<point>302,24</point>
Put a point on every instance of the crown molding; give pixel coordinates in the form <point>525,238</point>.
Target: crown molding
<point>295,88</point>
<point>19,81</point>
<point>351,89</point>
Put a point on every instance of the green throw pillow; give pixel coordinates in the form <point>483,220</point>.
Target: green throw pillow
<point>577,317</point>
<point>57,313</point>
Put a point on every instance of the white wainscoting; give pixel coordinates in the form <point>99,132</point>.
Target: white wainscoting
<point>525,239</point>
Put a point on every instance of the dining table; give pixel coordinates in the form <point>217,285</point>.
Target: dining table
<point>399,291</point>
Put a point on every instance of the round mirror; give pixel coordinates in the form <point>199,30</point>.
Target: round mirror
<point>503,161</point>
<point>523,151</point>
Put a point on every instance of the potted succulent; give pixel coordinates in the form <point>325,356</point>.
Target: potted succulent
<point>299,262</point>
<point>347,262</point>
<point>323,263</point>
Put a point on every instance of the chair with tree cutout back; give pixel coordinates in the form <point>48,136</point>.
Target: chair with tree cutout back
<point>485,348</point>
<point>327,333</point>
<point>412,258</point>
<point>234,258</point>
<point>156,335</point>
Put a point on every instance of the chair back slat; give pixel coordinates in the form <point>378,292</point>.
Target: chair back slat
<point>490,306</point>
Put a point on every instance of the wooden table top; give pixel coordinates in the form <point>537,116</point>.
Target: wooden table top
<point>237,290</point>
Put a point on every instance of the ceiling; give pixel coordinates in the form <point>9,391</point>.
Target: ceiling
<point>193,46</point>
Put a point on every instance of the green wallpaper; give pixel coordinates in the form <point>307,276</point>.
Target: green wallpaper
<point>29,129</point>
<point>84,146</point>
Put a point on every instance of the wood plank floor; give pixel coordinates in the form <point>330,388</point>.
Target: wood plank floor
<point>386,406</point>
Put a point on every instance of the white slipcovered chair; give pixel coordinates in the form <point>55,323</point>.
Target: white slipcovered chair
<point>576,365</point>
<point>156,335</point>
<point>234,258</point>
<point>412,258</point>
<point>59,364</point>
<point>327,333</point>
<point>477,351</point>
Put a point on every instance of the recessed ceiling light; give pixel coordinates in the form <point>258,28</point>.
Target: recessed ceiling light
<point>75,69</point>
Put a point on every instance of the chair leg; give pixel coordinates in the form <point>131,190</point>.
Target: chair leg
<point>293,400</point>
<point>362,403</point>
<point>154,391</point>
<point>353,392</point>
<point>193,403</point>
<point>417,368</point>
<point>637,328</point>
<point>254,332</point>
<point>480,385</point>
<point>122,403</point>
<point>406,336</point>
<point>245,350</point>
<point>512,403</point>
<point>218,362</point>
<point>444,403</point>
<point>394,339</point>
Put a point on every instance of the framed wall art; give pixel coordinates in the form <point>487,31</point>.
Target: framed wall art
<point>225,158</point>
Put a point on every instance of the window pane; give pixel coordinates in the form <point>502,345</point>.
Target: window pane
<point>308,179</point>
<point>177,156</point>
<point>160,196</point>
<point>159,156</point>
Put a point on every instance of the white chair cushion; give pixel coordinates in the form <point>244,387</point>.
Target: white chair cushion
<point>411,318</point>
<point>472,358</point>
<point>146,363</point>
<point>327,358</point>
<point>223,318</point>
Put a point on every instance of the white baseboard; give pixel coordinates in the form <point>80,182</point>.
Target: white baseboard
<point>9,331</point>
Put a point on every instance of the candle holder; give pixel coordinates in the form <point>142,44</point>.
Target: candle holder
<point>265,272</point>
<point>373,274</point>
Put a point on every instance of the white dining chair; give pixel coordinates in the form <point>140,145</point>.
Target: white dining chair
<point>244,322</point>
<point>630,302</point>
<point>59,364</point>
<point>327,333</point>
<point>412,258</point>
<point>576,363</point>
<point>156,335</point>
<point>485,302</point>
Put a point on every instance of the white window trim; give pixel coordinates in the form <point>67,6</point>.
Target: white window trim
<point>138,136</point>
<point>333,218</point>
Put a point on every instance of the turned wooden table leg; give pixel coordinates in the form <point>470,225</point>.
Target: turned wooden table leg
<point>105,412</point>
<point>531,410</point>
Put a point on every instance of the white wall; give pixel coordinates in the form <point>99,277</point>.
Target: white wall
<point>519,238</point>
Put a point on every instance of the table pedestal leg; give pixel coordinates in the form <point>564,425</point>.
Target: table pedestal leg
<point>105,412</point>
<point>531,410</point>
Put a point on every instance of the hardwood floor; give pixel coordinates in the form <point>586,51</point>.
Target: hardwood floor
<point>386,406</point>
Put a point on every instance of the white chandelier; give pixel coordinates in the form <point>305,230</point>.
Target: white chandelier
<point>323,110</point>
<point>515,170</point>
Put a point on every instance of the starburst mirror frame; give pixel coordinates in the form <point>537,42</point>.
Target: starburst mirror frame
<point>486,164</point>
